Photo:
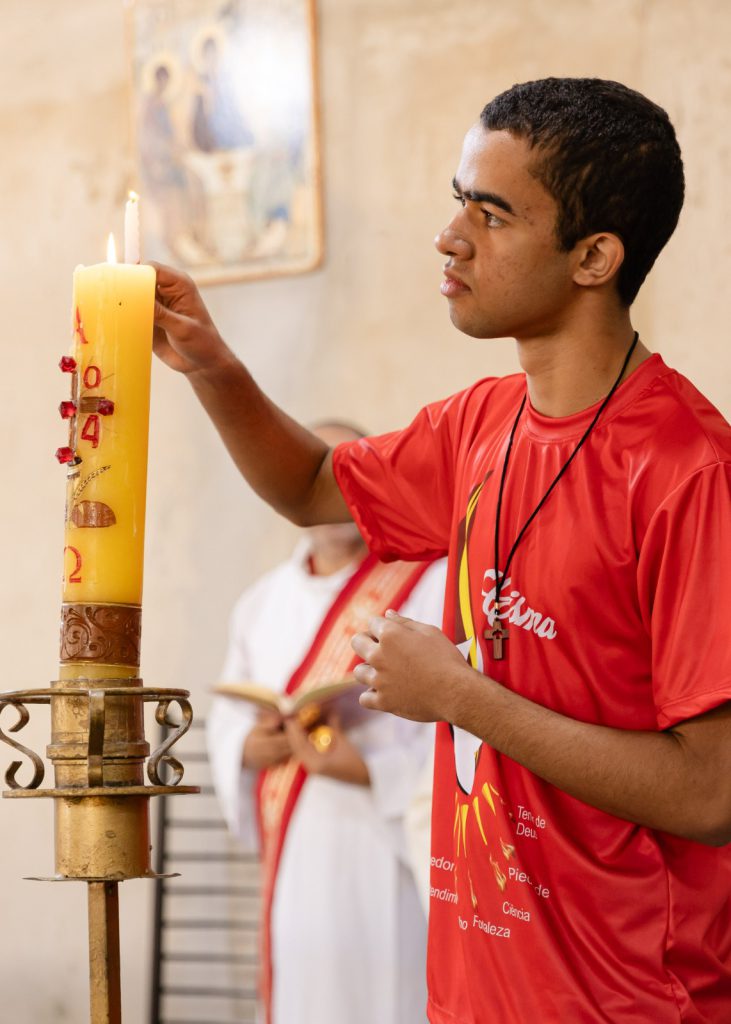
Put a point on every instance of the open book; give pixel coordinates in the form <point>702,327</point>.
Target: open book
<point>339,697</point>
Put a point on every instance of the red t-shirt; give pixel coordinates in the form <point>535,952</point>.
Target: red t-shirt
<point>545,910</point>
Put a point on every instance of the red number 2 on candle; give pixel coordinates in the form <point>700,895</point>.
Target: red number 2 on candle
<point>75,575</point>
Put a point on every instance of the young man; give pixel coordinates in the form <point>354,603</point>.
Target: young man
<point>583,767</point>
<point>344,934</point>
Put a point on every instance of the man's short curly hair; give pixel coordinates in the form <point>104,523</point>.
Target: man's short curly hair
<point>607,155</point>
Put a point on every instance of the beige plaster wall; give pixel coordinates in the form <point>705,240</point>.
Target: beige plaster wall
<point>366,336</point>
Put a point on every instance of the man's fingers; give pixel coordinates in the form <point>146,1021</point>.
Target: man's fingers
<point>162,313</point>
<point>177,292</point>
<point>332,718</point>
<point>370,699</point>
<point>280,746</point>
<point>294,729</point>
<point>393,616</point>
<point>376,626</point>
<point>297,737</point>
<point>380,623</point>
<point>176,323</point>
<point>269,720</point>
<point>159,337</point>
<point>364,645</point>
<point>365,674</point>
<point>169,277</point>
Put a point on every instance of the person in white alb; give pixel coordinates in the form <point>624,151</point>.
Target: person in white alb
<point>344,934</point>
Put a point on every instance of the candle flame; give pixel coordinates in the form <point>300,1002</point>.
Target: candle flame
<point>111,250</point>
<point>132,196</point>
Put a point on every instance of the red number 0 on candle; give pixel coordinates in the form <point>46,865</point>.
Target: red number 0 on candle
<point>92,376</point>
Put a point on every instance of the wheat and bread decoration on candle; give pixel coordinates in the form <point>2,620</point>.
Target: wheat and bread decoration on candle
<point>98,747</point>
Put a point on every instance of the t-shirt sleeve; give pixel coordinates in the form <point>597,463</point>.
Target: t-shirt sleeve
<point>685,594</point>
<point>400,486</point>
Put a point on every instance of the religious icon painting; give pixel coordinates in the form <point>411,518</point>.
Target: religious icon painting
<point>224,110</point>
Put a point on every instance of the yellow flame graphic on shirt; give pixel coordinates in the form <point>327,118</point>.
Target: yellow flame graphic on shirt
<point>462,811</point>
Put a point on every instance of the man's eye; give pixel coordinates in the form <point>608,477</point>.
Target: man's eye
<point>460,199</point>
<point>492,219</point>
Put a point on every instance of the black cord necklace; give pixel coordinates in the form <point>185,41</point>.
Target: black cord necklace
<point>499,633</point>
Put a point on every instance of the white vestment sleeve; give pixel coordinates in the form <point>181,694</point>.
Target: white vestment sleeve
<point>229,723</point>
<point>395,770</point>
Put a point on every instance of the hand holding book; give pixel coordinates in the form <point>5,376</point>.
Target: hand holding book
<point>266,744</point>
<point>340,759</point>
<point>320,715</point>
<point>311,707</point>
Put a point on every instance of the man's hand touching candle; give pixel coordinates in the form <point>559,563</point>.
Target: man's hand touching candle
<point>186,339</point>
<point>411,669</point>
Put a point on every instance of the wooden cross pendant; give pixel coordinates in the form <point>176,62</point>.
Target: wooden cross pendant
<point>498,634</point>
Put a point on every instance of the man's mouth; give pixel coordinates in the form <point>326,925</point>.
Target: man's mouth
<point>453,286</point>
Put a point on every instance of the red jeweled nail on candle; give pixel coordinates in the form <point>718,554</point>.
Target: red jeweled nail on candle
<point>105,406</point>
<point>67,410</point>
<point>65,455</point>
<point>67,364</point>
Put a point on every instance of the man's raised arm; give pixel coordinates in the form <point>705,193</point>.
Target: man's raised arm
<point>286,465</point>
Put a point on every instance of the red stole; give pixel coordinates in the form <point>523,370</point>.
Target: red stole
<point>372,589</point>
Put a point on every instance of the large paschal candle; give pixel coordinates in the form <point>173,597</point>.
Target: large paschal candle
<point>106,457</point>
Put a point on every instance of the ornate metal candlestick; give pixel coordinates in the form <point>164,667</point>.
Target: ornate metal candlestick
<point>98,748</point>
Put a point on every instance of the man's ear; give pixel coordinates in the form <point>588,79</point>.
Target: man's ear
<point>598,259</point>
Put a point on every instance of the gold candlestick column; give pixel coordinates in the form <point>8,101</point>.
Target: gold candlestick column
<point>97,740</point>
<point>104,967</point>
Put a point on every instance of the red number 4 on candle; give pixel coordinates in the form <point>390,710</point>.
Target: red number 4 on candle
<point>91,430</point>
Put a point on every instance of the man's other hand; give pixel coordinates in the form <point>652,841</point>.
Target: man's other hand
<point>411,669</point>
<point>267,743</point>
<point>341,760</point>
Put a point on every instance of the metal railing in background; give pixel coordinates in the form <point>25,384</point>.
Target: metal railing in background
<point>205,938</point>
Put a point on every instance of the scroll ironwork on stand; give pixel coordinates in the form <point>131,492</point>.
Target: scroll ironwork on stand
<point>96,699</point>
<point>39,769</point>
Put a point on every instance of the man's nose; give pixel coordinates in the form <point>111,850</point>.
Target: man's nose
<point>450,242</point>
